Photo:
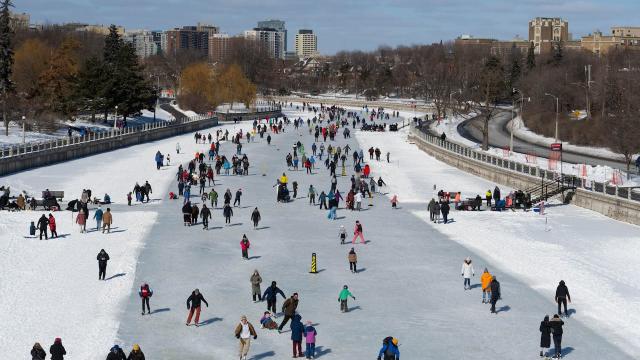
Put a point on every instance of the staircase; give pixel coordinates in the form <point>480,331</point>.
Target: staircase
<point>550,188</point>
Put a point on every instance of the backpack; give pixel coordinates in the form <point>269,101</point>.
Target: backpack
<point>360,228</point>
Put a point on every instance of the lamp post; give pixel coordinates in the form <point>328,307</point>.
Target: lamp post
<point>521,100</point>
<point>24,122</point>
<point>557,111</point>
<point>115,121</point>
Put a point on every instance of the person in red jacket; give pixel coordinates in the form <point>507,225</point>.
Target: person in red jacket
<point>357,232</point>
<point>145,293</point>
<point>244,245</point>
<point>366,171</point>
<point>52,226</point>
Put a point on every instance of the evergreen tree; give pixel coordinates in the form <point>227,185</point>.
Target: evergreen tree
<point>6,59</point>
<point>90,86</point>
<point>531,57</point>
<point>515,71</point>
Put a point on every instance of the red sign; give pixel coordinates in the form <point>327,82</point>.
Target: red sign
<point>556,147</point>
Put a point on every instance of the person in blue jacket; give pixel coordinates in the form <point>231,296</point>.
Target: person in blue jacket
<point>271,295</point>
<point>159,159</point>
<point>98,216</point>
<point>389,350</point>
<point>297,331</point>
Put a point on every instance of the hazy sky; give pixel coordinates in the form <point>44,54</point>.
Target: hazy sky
<point>346,24</point>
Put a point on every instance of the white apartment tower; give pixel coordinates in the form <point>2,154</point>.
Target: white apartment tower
<point>306,44</point>
<point>270,39</point>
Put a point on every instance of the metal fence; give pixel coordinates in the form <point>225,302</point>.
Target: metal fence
<point>629,193</point>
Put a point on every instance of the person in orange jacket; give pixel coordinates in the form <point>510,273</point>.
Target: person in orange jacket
<point>485,281</point>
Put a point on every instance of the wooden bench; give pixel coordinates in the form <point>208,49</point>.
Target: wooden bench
<point>55,194</point>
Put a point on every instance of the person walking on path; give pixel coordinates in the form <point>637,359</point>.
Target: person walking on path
<point>485,283</point>
<point>256,280</point>
<point>467,271</point>
<point>556,329</point>
<point>255,217</point>
<point>102,258</point>
<point>98,216</point>
<point>562,295</point>
<point>389,350</point>
<point>236,200</point>
<point>52,226</point>
<point>145,294</point>
<point>244,332</point>
<point>194,302</point>
<point>358,233</point>
<point>545,335</point>
<point>436,212</point>
<point>81,220</point>
<point>310,334</point>
<point>495,294</point>
<point>43,223</point>
<point>289,309</point>
<point>353,259</point>
<point>205,214</point>
<point>107,220</point>
<point>444,209</point>
<point>57,351</point>
<point>297,332</point>
<point>394,201</point>
<point>343,297</point>
<point>271,295</point>
<point>244,246</point>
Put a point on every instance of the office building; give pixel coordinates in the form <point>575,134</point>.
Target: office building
<point>218,47</point>
<point>306,44</point>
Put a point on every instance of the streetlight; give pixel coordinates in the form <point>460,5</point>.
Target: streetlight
<point>24,122</point>
<point>557,111</point>
<point>521,100</point>
<point>115,121</point>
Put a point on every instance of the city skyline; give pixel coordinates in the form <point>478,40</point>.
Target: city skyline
<point>358,26</point>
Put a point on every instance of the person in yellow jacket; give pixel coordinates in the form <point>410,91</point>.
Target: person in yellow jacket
<point>485,281</point>
<point>107,220</point>
<point>488,196</point>
<point>283,179</point>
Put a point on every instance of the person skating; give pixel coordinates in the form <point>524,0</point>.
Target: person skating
<point>136,353</point>
<point>186,213</point>
<point>236,200</point>
<point>256,280</point>
<point>562,295</point>
<point>343,297</point>
<point>353,259</point>
<point>98,217</point>
<point>244,246</point>
<point>102,258</point>
<point>312,195</point>
<point>145,294</point>
<point>466,272</point>
<point>116,353</point>
<point>213,196</point>
<point>271,295</point>
<point>37,352</point>
<point>266,322</point>
<point>205,214</point>
<point>389,350</point>
<point>81,220</point>
<point>43,223</point>
<point>394,202</point>
<point>297,332</point>
<point>310,334</point>
<point>289,309</point>
<point>358,233</point>
<point>56,350</point>
<point>322,199</point>
<point>107,220</point>
<point>432,209</point>
<point>556,329</point>
<point>545,335</point>
<point>495,294</point>
<point>194,301</point>
<point>52,226</point>
<point>444,209</point>
<point>227,211</point>
<point>255,217</point>
<point>343,234</point>
<point>358,200</point>
<point>195,212</point>
<point>485,282</point>
<point>244,332</point>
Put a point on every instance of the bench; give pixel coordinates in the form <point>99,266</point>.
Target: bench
<point>55,194</point>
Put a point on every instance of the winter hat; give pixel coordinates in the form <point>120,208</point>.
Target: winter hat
<point>243,317</point>
<point>273,283</point>
<point>57,340</point>
<point>345,287</point>
<point>136,347</point>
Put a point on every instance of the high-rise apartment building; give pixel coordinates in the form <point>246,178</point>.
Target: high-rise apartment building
<point>189,38</point>
<point>270,39</point>
<point>218,47</point>
<point>143,42</point>
<point>306,44</point>
<point>544,32</point>
<point>278,25</point>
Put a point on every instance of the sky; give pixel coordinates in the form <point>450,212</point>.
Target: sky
<point>346,24</point>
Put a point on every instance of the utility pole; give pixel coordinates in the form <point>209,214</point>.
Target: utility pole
<point>557,111</point>
<point>587,70</point>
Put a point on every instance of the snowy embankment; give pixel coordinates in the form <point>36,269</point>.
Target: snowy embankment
<point>590,252</point>
<point>16,136</point>
<point>51,287</point>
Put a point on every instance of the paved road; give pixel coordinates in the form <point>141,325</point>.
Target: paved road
<point>499,137</point>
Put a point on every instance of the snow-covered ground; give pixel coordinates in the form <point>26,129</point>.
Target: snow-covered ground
<point>16,137</point>
<point>408,285</point>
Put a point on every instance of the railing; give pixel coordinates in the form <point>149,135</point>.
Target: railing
<point>10,151</point>
<point>628,193</point>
